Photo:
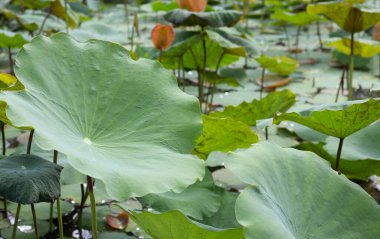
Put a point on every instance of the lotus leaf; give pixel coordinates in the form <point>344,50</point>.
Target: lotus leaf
<point>346,15</point>
<point>297,19</point>
<point>281,65</point>
<point>363,48</point>
<point>197,201</point>
<point>65,13</point>
<point>12,39</point>
<point>157,226</point>
<point>337,123</point>
<point>295,194</point>
<point>28,179</point>
<point>223,18</point>
<point>249,113</point>
<point>116,119</point>
<point>223,134</point>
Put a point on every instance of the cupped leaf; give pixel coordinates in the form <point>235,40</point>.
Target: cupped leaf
<point>223,134</point>
<point>347,16</point>
<point>281,65</point>
<point>337,123</point>
<point>297,19</point>
<point>363,48</point>
<point>197,201</point>
<point>116,119</point>
<point>249,113</point>
<point>294,195</point>
<point>224,18</point>
<point>174,225</point>
<point>12,39</point>
<point>29,179</point>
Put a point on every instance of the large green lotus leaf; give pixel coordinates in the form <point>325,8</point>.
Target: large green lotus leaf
<point>12,39</point>
<point>222,18</point>
<point>347,16</point>
<point>29,179</point>
<point>249,113</point>
<point>281,65</point>
<point>358,146</point>
<point>358,170</point>
<point>297,19</point>
<point>337,123</point>
<point>197,201</point>
<point>59,9</point>
<point>174,225</point>
<point>223,134</point>
<point>122,121</point>
<point>363,48</point>
<point>296,195</point>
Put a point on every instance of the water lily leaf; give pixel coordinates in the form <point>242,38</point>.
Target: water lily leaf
<point>361,145</point>
<point>197,201</point>
<point>116,119</point>
<point>249,113</point>
<point>363,48</point>
<point>337,123</point>
<point>357,170</point>
<point>179,225</point>
<point>347,16</point>
<point>297,19</point>
<point>281,65</point>
<point>223,134</point>
<point>12,39</point>
<point>285,182</point>
<point>223,18</point>
<point>29,179</point>
<point>215,78</point>
<point>66,14</point>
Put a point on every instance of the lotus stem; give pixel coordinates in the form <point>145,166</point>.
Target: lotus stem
<point>44,21</point>
<point>66,18</point>
<point>319,35</point>
<point>262,83</point>
<point>213,85</point>
<point>51,218</point>
<point>352,63</point>
<point>287,36</point>
<point>29,148</point>
<point>3,138</point>
<point>10,60</point>
<point>35,220</point>
<point>60,222</point>
<point>93,208</point>
<point>338,154</point>
<point>202,78</point>
<point>266,133</point>
<point>341,85</point>
<point>84,196</point>
<point>16,221</point>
